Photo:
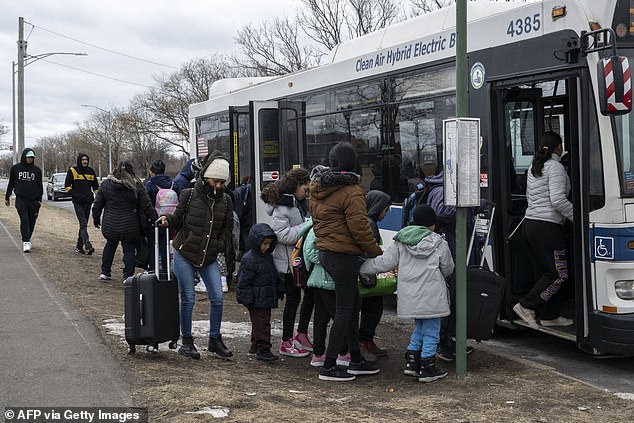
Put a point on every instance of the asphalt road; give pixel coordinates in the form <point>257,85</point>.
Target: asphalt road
<point>63,204</point>
<point>614,374</point>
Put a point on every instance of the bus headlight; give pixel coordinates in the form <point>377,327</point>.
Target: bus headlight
<point>625,290</point>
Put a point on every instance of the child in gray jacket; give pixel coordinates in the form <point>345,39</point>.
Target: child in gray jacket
<point>424,261</point>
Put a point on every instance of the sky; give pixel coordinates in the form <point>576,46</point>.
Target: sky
<point>166,32</point>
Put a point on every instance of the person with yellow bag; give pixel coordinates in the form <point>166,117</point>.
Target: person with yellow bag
<point>424,261</point>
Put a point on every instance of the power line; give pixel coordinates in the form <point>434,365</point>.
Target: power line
<point>97,74</point>
<point>102,48</point>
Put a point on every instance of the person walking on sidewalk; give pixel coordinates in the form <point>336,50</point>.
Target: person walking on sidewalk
<point>25,179</point>
<point>286,201</point>
<point>81,181</point>
<point>124,204</point>
<point>340,222</point>
<point>203,220</point>
<point>259,288</point>
<point>424,261</point>
<point>547,191</point>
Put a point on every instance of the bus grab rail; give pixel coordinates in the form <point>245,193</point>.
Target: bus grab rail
<point>601,41</point>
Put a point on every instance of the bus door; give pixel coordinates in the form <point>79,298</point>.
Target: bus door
<point>523,110</point>
<point>241,155</point>
<point>277,135</point>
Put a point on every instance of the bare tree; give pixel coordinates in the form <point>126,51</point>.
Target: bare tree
<point>141,146</point>
<point>371,15</point>
<point>420,7</point>
<point>164,108</point>
<point>323,21</point>
<point>331,22</point>
<point>272,48</point>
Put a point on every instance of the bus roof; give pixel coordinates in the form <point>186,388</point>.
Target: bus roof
<point>424,39</point>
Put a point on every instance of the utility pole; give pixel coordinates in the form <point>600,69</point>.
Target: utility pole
<point>462,110</point>
<point>15,156</point>
<point>21,56</point>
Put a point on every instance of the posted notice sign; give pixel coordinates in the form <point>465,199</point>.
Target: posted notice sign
<point>461,152</point>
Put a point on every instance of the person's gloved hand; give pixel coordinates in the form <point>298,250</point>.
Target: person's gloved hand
<point>280,296</point>
<point>97,224</point>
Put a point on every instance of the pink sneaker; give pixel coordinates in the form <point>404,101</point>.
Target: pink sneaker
<point>289,348</point>
<point>343,360</point>
<point>318,360</point>
<point>304,341</point>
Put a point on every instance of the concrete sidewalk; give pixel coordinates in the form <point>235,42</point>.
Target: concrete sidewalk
<point>51,356</point>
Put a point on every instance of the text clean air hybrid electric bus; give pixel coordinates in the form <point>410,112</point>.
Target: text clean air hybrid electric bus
<point>532,68</point>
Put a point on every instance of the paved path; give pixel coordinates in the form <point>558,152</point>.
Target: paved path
<point>51,355</point>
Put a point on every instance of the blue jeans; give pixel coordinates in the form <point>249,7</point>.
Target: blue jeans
<point>128,257</point>
<point>210,275</point>
<point>425,337</point>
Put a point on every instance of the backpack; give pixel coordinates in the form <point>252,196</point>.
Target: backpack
<point>299,270</point>
<point>241,195</point>
<point>416,198</point>
<point>166,200</point>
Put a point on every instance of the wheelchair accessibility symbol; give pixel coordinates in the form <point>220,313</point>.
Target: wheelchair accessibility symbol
<point>604,248</point>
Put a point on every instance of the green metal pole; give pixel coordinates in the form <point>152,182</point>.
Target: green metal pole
<point>462,110</point>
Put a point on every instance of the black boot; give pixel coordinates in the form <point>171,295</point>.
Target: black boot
<point>412,363</point>
<point>217,346</point>
<point>188,349</point>
<point>428,370</point>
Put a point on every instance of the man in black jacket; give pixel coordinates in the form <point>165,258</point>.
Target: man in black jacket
<point>25,179</point>
<point>81,181</point>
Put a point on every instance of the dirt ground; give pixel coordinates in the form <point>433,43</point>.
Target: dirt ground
<point>497,389</point>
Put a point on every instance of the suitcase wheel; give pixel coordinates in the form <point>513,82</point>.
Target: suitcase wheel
<point>153,348</point>
<point>131,349</point>
<point>172,345</point>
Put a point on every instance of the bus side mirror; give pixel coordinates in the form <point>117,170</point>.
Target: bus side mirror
<point>615,85</point>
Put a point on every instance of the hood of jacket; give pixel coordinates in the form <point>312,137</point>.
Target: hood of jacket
<point>377,201</point>
<point>200,185</point>
<point>23,156</point>
<point>161,180</point>
<point>79,165</point>
<point>420,241</point>
<point>330,181</point>
<point>258,232</point>
<point>435,180</point>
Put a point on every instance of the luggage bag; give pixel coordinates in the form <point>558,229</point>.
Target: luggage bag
<point>485,289</point>
<point>151,306</point>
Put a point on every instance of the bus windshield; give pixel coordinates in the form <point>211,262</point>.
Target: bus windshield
<point>625,143</point>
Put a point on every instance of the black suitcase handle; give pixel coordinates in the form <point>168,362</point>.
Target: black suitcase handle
<point>167,252</point>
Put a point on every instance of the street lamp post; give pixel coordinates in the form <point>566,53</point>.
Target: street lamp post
<point>107,134</point>
<point>24,60</point>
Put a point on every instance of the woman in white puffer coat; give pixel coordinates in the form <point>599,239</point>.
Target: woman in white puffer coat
<point>548,208</point>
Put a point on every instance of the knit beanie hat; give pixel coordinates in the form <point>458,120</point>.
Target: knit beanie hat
<point>424,216</point>
<point>343,157</point>
<point>218,169</point>
<point>158,167</point>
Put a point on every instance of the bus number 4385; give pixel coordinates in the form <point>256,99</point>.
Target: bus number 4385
<point>524,26</point>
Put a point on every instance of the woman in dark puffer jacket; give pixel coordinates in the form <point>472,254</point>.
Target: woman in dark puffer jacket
<point>120,197</point>
<point>204,221</point>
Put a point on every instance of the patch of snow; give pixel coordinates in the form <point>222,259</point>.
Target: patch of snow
<point>200,330</point>
<point>216,411</point>
<point>625,395</point>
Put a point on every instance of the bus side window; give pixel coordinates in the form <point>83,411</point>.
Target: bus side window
<point>520,148</point>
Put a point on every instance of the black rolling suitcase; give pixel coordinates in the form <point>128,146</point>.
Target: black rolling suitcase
<point>151,306</point>
<point>485,289</point>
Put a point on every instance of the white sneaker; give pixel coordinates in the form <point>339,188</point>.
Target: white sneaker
<point>559,321</point>
<point>26,247</point>
<point>526,315</point>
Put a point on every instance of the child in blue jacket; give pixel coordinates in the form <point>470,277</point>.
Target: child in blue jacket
<point>259,288</point>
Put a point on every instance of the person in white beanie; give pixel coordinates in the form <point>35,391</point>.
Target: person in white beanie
<point>204,221</point>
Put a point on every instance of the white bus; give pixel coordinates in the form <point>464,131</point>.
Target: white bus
<point>388,92</point>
